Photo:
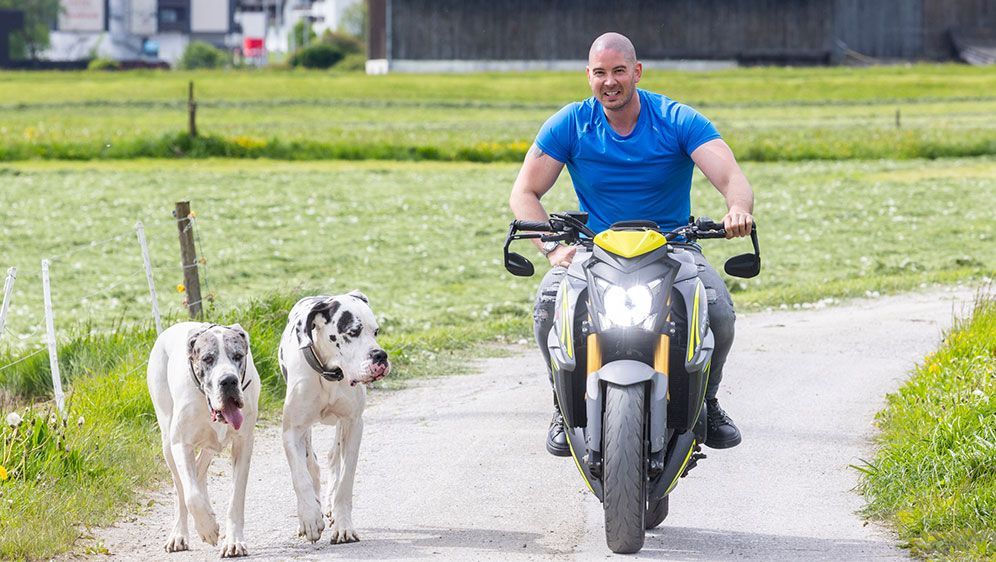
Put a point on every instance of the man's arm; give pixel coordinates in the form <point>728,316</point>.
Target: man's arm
<point>717,162</point>
<point>536,177</point>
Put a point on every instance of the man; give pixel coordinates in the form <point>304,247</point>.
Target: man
<point>630,154</point>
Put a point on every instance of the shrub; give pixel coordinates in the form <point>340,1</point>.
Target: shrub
<point>348,44</point>
<point>199,54</point>
<point>355,62</point>
<point>103,64</point>
<point>321,55</point>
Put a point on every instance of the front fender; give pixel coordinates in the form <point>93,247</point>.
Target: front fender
<point>626,372</point>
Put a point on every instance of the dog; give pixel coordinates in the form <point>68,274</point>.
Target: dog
<point>205,390</point>
<point>328,352</point>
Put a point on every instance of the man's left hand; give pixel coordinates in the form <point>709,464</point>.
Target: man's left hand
<point>737,223</point>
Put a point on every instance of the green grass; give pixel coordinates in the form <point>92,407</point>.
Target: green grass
<point>766,114</point>
<point>826,230</point>
<point>934,476</point>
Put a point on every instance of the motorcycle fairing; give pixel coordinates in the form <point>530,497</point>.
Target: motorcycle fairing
<point>561,342</point>
<point>630,243</point>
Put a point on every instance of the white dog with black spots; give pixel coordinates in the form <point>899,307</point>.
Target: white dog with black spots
<point>328,353</point>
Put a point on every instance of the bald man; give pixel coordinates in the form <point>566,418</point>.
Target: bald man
<point>630,154</point>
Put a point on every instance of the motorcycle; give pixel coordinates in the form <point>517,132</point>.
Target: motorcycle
<point>630,352</point>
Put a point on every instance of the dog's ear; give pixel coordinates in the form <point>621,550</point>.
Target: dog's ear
<point>192,336</point>
<point>238,329</point>
<point>326,308</point>
<point>357,294</point>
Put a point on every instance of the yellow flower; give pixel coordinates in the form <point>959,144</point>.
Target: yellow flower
<point>3,474</point>
<point>193,214</point>
<point>180,288</point>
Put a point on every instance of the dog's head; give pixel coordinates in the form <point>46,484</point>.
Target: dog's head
<point>218,357</point>
<point>343,330</point>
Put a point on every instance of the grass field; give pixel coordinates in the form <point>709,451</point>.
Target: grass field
<point>423,240</point>
<point>766,114</point>
<point>826,229</point>
<point>935,473</point>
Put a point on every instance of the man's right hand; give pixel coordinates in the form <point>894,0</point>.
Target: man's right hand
<point>562,256</point>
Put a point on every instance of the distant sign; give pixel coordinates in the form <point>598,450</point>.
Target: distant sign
<point>252,47</point>
<point>82,15</point>
<point>142,20</point>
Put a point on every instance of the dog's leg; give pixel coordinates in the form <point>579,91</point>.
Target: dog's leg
<point>234,544</point>
<point>342,506</point>
<point>309,510</point>
<point>204,458</point>
<point>313,470</point>
<point>196,496</point>
<point>178,539</point>
<point>335,468</point>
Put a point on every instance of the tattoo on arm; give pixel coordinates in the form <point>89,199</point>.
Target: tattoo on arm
<point>535,151</point>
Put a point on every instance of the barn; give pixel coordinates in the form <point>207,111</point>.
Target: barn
<point>466,35</point>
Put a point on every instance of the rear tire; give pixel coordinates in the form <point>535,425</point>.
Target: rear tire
<point>656,512</point>
<point>624,474</point>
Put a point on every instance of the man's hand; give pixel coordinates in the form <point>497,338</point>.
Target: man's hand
<point>563,255</point>
<point>737,223</point>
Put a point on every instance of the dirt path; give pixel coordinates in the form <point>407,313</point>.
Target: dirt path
<point>455,467</point>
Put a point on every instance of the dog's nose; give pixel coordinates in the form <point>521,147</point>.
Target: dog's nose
<point>378,356</point>
<point>229,382</point>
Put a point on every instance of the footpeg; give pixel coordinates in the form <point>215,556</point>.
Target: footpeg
<point>693,460</point>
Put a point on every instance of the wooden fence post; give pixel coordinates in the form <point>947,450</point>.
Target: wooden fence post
<point>191,111</point>
<point>188,258</point>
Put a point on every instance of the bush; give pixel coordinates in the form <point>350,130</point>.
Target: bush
<point>199,54</point>
<point>321,55</point>
<point>348,44</point>
<point>103,64</point>
<point>356,62</point>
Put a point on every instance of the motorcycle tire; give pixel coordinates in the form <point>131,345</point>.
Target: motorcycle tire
<point>624,481</point>
<point>656,512</point>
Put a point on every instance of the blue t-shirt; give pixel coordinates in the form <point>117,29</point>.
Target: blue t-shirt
<point>645,175</point>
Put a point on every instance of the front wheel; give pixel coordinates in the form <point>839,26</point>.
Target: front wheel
<point>624,474</point>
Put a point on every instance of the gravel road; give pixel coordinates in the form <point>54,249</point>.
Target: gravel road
<point>454,467</point>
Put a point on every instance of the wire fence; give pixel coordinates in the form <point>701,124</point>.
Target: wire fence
<point>111,269</point>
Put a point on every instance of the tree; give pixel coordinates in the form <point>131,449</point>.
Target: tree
<point>354,20</point>
<point>39,17</point>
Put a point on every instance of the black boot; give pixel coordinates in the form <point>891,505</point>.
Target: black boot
<point>720,433</point>
<point>556,439</point>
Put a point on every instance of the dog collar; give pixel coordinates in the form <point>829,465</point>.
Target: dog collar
<point>334,374</point>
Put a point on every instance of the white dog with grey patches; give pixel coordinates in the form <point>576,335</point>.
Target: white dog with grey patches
<point>327,354</point>
<point>205,390</point>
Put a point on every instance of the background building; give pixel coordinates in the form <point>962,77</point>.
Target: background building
<point>161,29</point>
<point>440,35</point>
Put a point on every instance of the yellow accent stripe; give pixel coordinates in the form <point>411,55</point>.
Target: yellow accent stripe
<point>680,470</point>
<point>693,330</point>
<point>566,326</point>
<point>594,354</point>
<point>574,456</point>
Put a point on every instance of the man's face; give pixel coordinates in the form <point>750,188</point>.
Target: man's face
<point>612,78</point>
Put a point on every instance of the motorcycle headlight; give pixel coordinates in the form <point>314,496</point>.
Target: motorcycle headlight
<point>627,306</point>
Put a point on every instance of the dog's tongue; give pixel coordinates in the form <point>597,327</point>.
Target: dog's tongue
<point>233,415</point>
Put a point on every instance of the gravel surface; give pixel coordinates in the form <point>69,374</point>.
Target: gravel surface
<point>455,468</point>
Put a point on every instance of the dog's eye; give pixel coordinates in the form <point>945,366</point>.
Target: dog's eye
<point>208,359</point>
<point>355,332</point>
<point>237,357</point>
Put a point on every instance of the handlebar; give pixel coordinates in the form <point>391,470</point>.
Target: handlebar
<point>540,226</point>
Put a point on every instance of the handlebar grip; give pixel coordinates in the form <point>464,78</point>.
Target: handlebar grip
<point>541,226</point>
<point>721,233</point>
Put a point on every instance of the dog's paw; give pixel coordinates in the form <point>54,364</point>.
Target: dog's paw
<point>176,543</point>
<point>311,526</point>
<point>343,532</point>
<point>208,530</point>
<point>234,549</point>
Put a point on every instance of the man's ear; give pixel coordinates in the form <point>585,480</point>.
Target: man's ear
<point>326,307</point>
<point>357,294</point>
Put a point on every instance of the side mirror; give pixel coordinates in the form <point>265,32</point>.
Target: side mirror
<point>518,265</point>
<point>744,265</point>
